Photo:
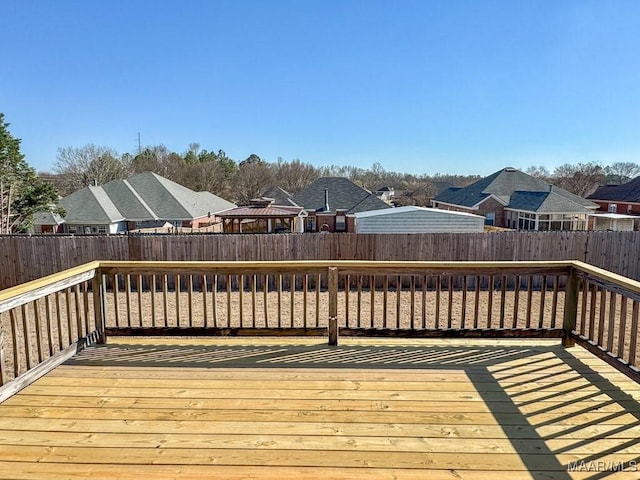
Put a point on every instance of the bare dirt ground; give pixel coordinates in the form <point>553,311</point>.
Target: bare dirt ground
<point>403,311</point>
<point>70,316</point>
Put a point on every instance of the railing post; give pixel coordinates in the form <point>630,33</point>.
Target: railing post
<point>2,357</point>
<point>99,305</point>
<point>570,309</point>
<point>332,283</point>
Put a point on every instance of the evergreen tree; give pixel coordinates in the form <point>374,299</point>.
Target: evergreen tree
<point>22,193</point>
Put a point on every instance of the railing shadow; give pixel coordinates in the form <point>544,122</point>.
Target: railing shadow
<point>559,414</point>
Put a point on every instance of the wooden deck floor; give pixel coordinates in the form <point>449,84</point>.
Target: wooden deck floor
<point>297,409</point>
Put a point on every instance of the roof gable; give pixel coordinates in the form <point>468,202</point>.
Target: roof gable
<point>172,201</point>
<point>90,205</point>
<point>145,196</point>
<point>343,195</point>
<point>545,202</point>
<point>627,192</point>
<point>280,196</point>
<point>128,201</point>
<point>47,218</point>
<point>160,194</point>
<point>503,183</point>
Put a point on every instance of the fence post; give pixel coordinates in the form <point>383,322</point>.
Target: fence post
<point>332,283</point>
<point>99,306</point>
<point>570,309</point>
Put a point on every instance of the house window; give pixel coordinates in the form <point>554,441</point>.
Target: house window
<point>490,218</point>
<point>72,229</point>
<point>102,229</point>
<point>559,221</point>
<point>526,221</point>
<point>543,223</point>
<point>341,225</point>
<point>311,224</point>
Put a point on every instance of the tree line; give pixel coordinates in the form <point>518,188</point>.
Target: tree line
<point>239,181</point>
<point>23,192</point>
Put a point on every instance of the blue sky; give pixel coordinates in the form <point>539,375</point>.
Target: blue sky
<point>462,87</point>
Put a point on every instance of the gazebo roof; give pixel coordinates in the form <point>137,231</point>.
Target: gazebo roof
<point>271,211</point>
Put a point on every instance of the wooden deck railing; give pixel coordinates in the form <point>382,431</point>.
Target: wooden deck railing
<point>45,321</point>
<point>607,317</point>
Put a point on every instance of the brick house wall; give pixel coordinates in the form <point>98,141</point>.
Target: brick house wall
<point>622,207</point>
<point>488,206</point>
<point>330,221</point>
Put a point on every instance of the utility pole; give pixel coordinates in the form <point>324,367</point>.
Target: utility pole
<point>139,144</point>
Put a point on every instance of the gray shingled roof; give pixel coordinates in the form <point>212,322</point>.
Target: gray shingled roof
<point>47,218</point>
<point>130,204</point>
<point>90,205</point>
<point>145,196</point>
<point>504,183</point>
<point>627,192</point>
<point>172,201</point>
<point>211,204</point>
<point>343,195</point>
<point>545,202</point>
<point>280,196</point>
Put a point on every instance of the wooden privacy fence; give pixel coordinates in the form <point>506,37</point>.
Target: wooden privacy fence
<point>45,321</point>
<point>24,258</point>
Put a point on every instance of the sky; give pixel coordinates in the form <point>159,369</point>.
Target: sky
<point>424,87</point>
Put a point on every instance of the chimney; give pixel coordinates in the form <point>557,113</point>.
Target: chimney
<point>326,200</point>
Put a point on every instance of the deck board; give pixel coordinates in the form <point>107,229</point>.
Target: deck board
<point>278,409</point>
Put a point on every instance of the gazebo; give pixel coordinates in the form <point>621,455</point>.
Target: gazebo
<point>261,216</point>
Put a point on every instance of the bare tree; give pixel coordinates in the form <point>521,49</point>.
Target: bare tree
<point>293,176</point>
<point>88,165</point>
<point>417,193</point>
<point>581,179</point>
<point>621,172</point>
<point>347,171</point>
<point>252,178</point>
<point>539,171</point>
<point>208,176</point>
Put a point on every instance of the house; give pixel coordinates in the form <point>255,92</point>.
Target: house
<point>512,199</point>
<point>144,201</point>
<point>623,198</point>
<point>620,200</point>
<point>412,219</point>
<point>330,204</point>
<point>48,222</point>
<point>262,215</point>
<point>386,194</point>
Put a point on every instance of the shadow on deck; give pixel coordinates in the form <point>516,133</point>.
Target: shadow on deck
<point>296,408</point>
<point>556,410</point>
